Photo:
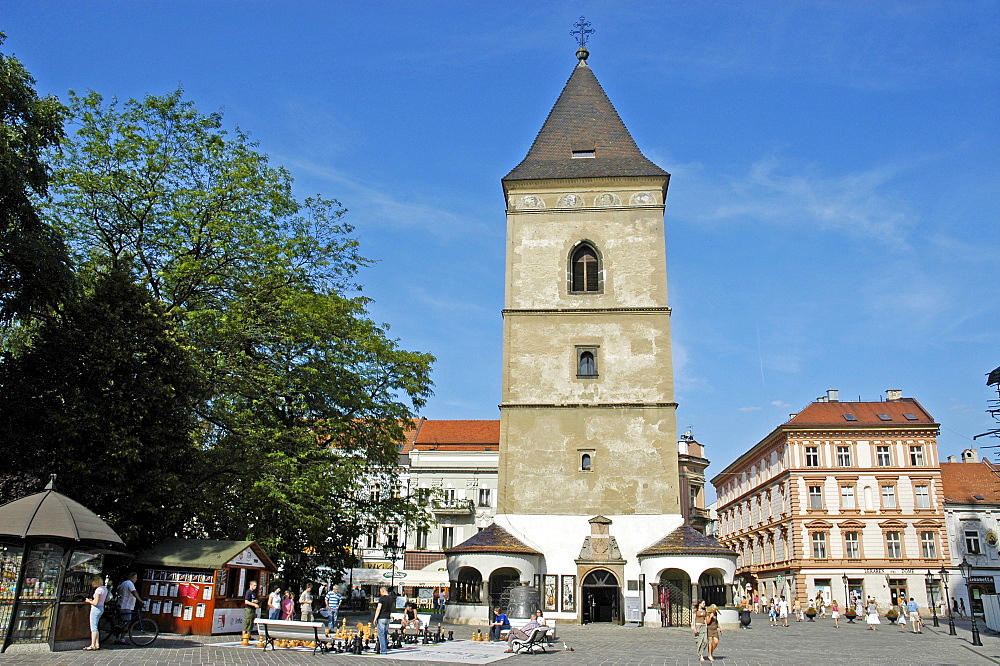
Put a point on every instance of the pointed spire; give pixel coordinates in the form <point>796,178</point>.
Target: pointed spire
<point>52,482</point>
<point>583,137</point>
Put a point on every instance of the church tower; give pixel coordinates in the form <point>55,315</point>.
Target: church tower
<point>587,415</point>
<point>589,525</point>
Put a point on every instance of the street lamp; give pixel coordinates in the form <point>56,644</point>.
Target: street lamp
<point>947,599</point>
<point>391,550</point>
<point>930,587</point>
<point>966,570</point>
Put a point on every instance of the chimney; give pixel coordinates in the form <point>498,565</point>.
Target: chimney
<point>792,416</point>
<point>833,395</point>
<point>970,455</point>
<point>894,394</point>
<point>952,459</point>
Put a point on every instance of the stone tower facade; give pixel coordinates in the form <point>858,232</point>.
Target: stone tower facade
<point>587,414</point>
<point>589,516</point>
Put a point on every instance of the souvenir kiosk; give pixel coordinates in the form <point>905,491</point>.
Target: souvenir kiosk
<point>49,546</point>
<point>196,586</point>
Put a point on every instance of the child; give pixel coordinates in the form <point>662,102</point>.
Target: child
<point>772,614</point>
<point>835,613</point>
<point>288,606</point>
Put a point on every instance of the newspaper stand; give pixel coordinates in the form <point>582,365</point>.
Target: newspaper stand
<point>196,586</point>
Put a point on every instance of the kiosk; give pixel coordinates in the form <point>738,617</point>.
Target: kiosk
<point>196,586</point>
<point>49,546</point>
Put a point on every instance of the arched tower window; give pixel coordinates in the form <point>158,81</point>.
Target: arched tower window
<point>587,365</point>
<point>586,269</point>
<point>585,462</point>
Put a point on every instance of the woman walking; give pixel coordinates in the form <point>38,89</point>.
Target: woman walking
<point>699,623</point>
<point>872,615</point>
<point>714,630</point>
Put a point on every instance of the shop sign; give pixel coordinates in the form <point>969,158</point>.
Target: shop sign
<point>397,574</point>
<point>890,571</point>
<point>377,565</point>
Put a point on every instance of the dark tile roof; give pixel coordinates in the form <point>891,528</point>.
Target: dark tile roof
<point>583,118</point>
<point>200,553</point>
<point>686,540</point>
<point>493,539</point>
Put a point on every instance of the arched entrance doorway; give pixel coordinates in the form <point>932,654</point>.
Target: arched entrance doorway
<point>675,598</point>
<point>601,597</point>
<point>501,581</point>
<point>712,587</point>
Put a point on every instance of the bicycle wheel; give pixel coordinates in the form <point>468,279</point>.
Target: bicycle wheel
<point>106,627</point>
<point>143,631</point>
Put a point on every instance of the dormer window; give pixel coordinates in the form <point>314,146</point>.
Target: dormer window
<point>583,154</point>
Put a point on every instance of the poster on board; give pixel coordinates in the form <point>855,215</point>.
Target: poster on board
<point>550,594</point>
<point>569,594</point>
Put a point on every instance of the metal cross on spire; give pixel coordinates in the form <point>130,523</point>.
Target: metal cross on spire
<point>583,32</point>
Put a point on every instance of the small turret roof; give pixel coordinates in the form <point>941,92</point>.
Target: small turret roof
<point>493,539</point>
<point>685,540</point>
<point>583,119</point>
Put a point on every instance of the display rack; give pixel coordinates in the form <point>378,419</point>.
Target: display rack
<point>10,564</point>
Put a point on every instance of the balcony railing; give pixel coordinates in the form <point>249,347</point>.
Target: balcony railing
<point>454,506</point>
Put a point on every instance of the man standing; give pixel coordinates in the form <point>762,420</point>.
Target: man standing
<point>383,613</point>
<point>333,600</point>
<point>127,599</point>
<point>914,610</point>
<point>306,603</point>
<point>251,603</point>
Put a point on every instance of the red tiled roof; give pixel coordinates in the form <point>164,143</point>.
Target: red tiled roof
<point>961,482</point>
<point>865,413</point>
<point>457,435</point>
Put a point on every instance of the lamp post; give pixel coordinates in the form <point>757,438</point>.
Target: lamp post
<point>847,602</point>
<point>947,600</point>
<point>391,550</point>
<point>930,587</point>
<point>966,570</point>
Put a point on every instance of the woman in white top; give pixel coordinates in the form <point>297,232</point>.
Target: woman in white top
<point>96,611</point>
<point>872,615</point>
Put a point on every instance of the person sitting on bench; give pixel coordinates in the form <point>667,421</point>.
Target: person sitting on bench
<point>500,622</point>
<point>523,633</point>
<point>410,618</point>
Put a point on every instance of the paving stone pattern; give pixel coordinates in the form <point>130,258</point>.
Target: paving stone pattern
<point>814,643</point>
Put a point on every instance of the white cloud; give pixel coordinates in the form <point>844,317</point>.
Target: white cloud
<point>380,208</point>
<point>783,194</point>
<point>780,403</point>
<point>748,409</point>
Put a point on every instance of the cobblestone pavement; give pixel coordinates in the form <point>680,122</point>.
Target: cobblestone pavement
<point>817,643</point>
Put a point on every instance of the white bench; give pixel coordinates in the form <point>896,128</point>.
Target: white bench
<point>519,622</point>
<point>536,639</point>
<point>396,621</point>
<point>293,630</point>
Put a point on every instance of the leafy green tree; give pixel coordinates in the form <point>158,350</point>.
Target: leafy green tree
<point>104,397</point>
<point>34,274</point>
<point>308,396</point>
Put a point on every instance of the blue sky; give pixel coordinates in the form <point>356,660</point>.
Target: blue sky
<point>832,220</point>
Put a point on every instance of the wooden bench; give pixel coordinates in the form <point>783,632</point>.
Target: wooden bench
<point>536,639</point>
<point>292,630</point>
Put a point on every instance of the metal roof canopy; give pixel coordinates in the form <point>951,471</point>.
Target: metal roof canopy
<point>50,514</point>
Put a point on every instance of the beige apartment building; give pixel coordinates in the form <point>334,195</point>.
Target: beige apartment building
<point>844,499</point>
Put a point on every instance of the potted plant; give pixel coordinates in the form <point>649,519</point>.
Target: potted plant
<point>850,614</point>
<point>891,615</point>
<point>811,613</point>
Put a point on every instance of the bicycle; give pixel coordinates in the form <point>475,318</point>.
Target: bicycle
<point>141,631</point>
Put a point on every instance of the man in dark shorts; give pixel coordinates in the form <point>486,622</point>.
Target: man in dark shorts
<point>251,602</point>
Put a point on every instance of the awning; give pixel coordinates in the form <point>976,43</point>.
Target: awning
<point>419,578</point>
